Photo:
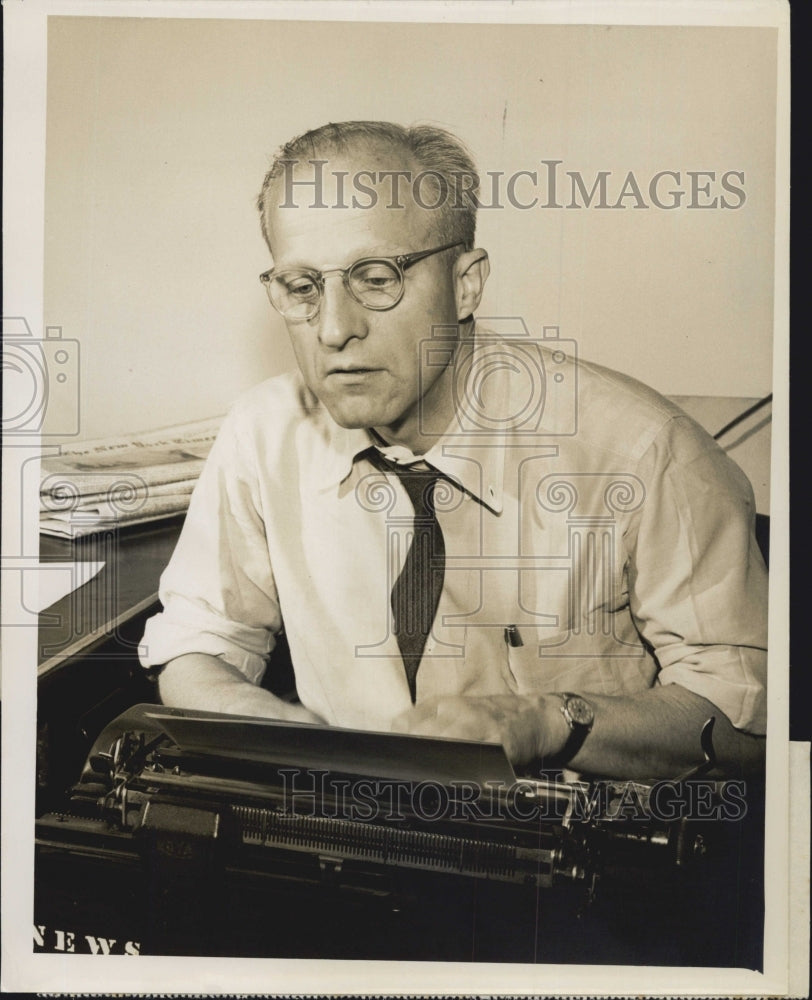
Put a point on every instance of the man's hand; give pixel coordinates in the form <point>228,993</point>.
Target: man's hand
<point>646,736</point>
<point>527,726</point>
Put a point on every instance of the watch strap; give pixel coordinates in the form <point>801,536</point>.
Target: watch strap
<point>578,730</point>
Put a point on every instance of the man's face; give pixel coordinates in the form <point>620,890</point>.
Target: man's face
<point>363,365</point>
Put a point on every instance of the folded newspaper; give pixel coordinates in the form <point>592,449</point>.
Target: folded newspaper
<point>95,485</point>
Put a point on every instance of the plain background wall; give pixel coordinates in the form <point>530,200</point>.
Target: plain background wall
<point>159,132</point>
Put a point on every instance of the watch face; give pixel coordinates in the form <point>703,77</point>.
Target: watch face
<point>581,711</point>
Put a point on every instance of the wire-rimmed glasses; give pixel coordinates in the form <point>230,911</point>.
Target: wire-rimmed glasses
<point>375,282</point>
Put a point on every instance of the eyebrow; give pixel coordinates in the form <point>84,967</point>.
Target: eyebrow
<point>375,252</point>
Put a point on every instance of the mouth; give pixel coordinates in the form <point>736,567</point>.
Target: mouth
<point>352,371</point>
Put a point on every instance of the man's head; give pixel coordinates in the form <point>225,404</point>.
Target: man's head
<point>362,190</point>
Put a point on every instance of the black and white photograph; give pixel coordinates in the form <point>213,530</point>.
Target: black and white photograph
<point>395,499</point>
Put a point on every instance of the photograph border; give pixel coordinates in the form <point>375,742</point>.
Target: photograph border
<point>24,159</point>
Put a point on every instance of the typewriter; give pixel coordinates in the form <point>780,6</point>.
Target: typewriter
<point>203,834</point>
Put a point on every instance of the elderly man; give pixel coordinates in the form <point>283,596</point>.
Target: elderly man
<point>465,532</point>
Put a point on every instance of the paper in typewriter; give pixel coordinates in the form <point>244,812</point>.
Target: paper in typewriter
<point>349,751</point>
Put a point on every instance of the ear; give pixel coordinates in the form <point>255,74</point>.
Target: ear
<point>471,270</point>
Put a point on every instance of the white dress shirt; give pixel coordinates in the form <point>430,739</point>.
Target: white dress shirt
<point>597,539</point>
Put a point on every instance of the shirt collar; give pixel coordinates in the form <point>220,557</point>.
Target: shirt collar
<point>476,469</point>
<point>344,446</point>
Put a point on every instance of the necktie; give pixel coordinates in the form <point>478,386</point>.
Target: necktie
<point>416,592</point>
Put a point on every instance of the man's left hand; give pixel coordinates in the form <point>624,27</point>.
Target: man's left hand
<point>649,735</point>
<point>527,726</point>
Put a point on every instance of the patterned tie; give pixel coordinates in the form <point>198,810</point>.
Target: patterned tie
<point>416,592</point>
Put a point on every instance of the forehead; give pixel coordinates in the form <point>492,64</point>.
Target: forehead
<point>334,206</point>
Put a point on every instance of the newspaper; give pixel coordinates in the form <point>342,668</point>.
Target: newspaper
<point>95,485</point>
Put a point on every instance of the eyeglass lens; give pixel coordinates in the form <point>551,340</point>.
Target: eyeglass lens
<point>376,284</point>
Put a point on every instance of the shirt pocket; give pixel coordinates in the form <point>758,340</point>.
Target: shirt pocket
<point>549,660</point>
<point>527,671</point>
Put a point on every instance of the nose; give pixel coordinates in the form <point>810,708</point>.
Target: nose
<point>340,318</point>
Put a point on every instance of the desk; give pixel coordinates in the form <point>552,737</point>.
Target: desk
<point>124,589</point>
<point>88,669</point>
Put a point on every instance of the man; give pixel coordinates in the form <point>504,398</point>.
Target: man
<point>462,535</point>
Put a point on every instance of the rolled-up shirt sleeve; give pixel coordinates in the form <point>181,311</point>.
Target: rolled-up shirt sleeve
<point>218,591</point>
<point>698,584</point>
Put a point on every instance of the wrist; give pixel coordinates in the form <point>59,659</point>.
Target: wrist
<point>554,732</point>
<point>570,719</point>
<point>557,732</point>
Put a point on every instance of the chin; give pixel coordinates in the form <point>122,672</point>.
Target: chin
<point>353,418</point>
<point>351,423</point>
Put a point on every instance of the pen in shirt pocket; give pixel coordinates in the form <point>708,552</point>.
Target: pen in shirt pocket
<point>512,636</point>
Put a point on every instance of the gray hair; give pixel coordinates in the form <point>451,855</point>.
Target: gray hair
<point>446,165</point>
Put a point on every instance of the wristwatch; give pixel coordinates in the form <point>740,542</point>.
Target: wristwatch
<point>579,716</point>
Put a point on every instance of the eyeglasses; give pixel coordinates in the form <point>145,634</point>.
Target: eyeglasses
<point>375,282</point>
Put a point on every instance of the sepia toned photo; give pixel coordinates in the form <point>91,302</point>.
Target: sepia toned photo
<point>395,499</point>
